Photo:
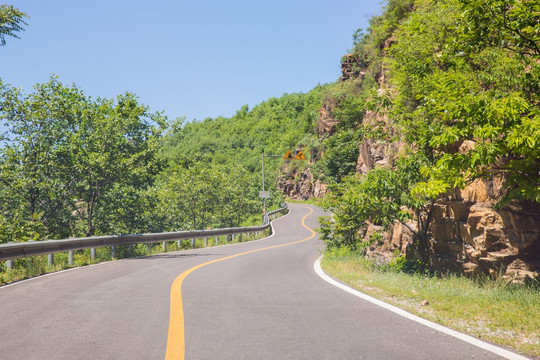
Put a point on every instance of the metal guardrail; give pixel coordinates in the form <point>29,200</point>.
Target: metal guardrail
<point>12,251</point>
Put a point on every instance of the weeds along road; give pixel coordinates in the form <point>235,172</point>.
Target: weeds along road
<point>262,301</point>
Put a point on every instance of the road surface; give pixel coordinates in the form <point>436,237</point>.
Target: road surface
<point>262,300</point>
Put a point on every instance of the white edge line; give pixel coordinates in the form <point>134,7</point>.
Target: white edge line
<point>467,338</point>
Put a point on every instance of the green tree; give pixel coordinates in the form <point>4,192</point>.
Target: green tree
<point>382,197</point>
<point>198,196</point>
<point>505,24</point>
<point>341,154</point>
<point>11,22</point>
<point>35,158</point>
<point>114,143</point>
<point>63,152</point>
<point>448,93</point>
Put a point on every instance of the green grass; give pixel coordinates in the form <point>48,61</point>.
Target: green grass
<point>313,201</point>
<point>496,311</point>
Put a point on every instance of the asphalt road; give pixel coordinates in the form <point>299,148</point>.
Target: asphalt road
<point>267,304</point>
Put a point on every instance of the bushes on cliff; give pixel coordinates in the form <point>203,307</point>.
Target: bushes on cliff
<point>464,87</point>
<point>463,80</point>
<point>382,197</point>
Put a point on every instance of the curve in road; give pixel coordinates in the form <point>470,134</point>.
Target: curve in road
<point>266,305</point>
<point>176,340</point>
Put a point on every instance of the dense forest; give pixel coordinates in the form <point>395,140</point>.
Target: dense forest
<point>76,166</point>
<point>425,79</point>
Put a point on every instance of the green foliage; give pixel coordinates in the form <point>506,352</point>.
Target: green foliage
<point>64,152</point>
<point>504,24</point>
<point>404,265</point>
<point>360,200</point>
<point>114,143</point>
<point>14,227</point>
<point>369,46</point>
<point>382,197</point>
<point>35,155</point>
<point>226,144</point>
<point>11,22</point>
<point>201,196</point>
<point>464,80</point>
<point>75,166</point>
<point>341,154</point>
<point>449,92</point>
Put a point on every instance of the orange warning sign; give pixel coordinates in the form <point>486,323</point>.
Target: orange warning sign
<point>288,155</point>
<point>300,155</point>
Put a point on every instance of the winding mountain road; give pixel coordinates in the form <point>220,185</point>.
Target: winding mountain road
<point>255,300</point>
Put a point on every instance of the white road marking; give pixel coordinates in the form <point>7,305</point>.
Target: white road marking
<point>467,338</point>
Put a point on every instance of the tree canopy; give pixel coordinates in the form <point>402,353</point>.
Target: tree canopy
<point>11,22</point>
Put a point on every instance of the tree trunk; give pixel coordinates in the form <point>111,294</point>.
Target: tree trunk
<point>90,211</point>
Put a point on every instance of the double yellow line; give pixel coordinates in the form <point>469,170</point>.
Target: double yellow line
<point>176,346</point>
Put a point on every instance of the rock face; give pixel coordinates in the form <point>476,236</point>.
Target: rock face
<point>372,152</point>
<point>475,238</point>
<point>302,187</point>
<point>348,70</point>
<point>468,234</point>
<point>327,123</point>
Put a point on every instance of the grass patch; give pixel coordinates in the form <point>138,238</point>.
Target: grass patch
<point>313,201</point>
<point>492,310</point>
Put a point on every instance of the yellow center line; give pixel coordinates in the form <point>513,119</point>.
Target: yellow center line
<point>176,346</point>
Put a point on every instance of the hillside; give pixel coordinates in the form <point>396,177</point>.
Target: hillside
<point>430,138</point>
<point>425,148</point>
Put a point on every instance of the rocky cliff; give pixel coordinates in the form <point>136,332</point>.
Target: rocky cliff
<point>468,233</point>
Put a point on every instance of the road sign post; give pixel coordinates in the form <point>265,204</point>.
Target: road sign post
<point>264,192</point>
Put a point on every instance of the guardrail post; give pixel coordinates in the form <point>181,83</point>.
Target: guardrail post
<point>48,248</point>
<point>179,244</point>
<point>164,246</point>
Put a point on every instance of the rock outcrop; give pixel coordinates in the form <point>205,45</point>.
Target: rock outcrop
<point>300,185</point>
<point>349,68</point>
<point>327,123</point>
<point>373,152</point>
<point>470,236</point>
<point>468,233</point>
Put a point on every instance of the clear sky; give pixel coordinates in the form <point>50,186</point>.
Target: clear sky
<point>198,58</point>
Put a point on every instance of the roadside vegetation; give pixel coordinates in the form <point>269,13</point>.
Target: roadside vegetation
<point>492,310</point>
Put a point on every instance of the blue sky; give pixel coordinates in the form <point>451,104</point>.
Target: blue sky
<point>199,58</point>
